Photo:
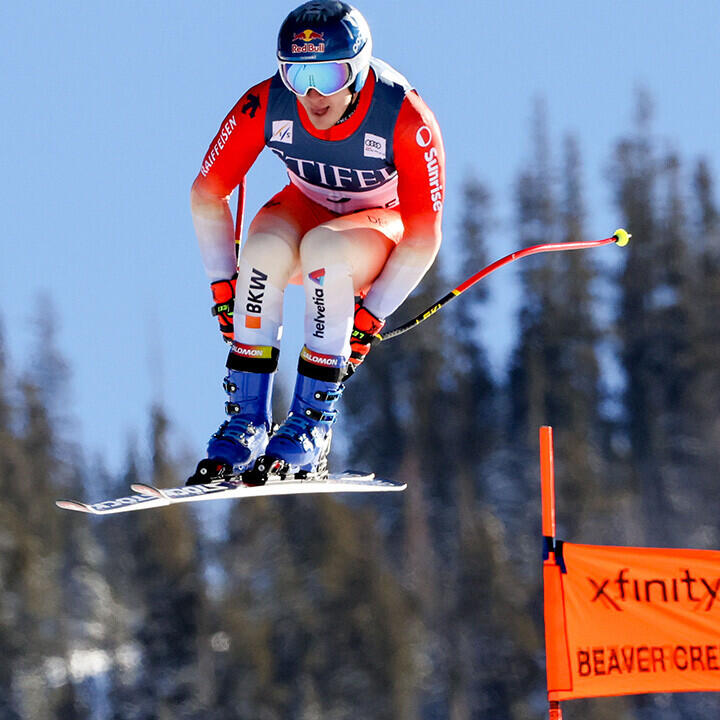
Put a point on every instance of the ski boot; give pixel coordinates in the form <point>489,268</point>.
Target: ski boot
<point>241,438</point>
<point>300,445</point>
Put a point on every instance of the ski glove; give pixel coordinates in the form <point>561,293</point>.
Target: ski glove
<point>223,292</point>
<point>363,337</point>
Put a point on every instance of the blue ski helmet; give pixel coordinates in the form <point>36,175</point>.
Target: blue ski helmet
<point>325,45</point>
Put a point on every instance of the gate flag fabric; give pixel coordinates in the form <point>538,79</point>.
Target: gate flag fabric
<point>626,620</point>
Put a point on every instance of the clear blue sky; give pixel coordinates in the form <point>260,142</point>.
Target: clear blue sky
<point>107,109</point>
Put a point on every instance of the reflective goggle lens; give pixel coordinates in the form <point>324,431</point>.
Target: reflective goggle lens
<point>327,78</point>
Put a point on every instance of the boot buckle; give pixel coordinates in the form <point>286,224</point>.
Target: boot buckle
<point>328,396</point>
<point>320,415</point>
<point>232,408</point>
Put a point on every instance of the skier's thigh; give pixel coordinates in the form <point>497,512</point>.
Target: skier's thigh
<point>276,231</point>
<point>361,240</point>
<point>273,241</point>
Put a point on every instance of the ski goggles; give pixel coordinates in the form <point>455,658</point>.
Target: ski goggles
<point>326,77</point>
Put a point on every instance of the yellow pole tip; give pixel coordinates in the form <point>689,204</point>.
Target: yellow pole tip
<point>622,237</point>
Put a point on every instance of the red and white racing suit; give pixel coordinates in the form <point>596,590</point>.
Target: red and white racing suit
<point>361,214</point>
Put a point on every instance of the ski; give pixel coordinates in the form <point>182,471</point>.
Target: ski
<point>233,488</point>
<point>116,505</point>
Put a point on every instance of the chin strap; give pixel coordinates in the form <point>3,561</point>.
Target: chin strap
<point>350,109</point>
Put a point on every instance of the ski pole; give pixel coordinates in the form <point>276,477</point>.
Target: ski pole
<point>621,238</point>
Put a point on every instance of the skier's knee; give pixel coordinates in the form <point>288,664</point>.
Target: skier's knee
<point>322,246</point>
<point>270,249</point>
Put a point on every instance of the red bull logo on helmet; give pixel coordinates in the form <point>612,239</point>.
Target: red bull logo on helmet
<point>312,42</point>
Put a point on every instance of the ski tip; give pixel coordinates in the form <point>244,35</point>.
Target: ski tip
<point>370,481</point>
<point>622,237</point>
<point>381,482</point>
<point>392,485</point>
<point>146,490</point>
<point>352,472</point>
<point>73,505</point>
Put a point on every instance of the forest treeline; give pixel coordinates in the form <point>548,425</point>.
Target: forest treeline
<point>421,605</point>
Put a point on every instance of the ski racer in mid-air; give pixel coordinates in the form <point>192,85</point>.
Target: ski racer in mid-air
<point>358,225</point>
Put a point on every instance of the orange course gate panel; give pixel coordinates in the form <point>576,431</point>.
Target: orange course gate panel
<point>632,620</point>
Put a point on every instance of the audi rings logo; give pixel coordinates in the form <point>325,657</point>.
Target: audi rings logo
<point>423,137</point>
<point>375,146</point>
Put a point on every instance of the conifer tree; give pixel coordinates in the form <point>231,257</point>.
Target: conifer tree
<point>10,526</point>
<point>537,223</point>
<point>664,347</point>
<point>654,319</point>
<point>555,375</point>
<point>474,404</point>
<point>169,595</point>
<point>574,368</point>
<point>35,549</point>
<point>314,619</point>
<point>474,432</point>
<point>705,341</point>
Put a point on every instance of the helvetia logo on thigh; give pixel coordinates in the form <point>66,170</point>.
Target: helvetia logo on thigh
<point>318,299</point>
<point>319,319</point>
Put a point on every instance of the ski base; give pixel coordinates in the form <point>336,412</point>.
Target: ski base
<point>233,488</point>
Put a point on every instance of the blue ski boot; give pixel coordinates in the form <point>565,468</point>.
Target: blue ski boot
<point>301,444</point>
<point>240,439</point>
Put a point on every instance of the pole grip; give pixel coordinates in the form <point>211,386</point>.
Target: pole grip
<point>555,710</point>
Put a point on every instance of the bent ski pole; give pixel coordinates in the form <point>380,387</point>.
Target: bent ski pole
<point>621,238</point>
